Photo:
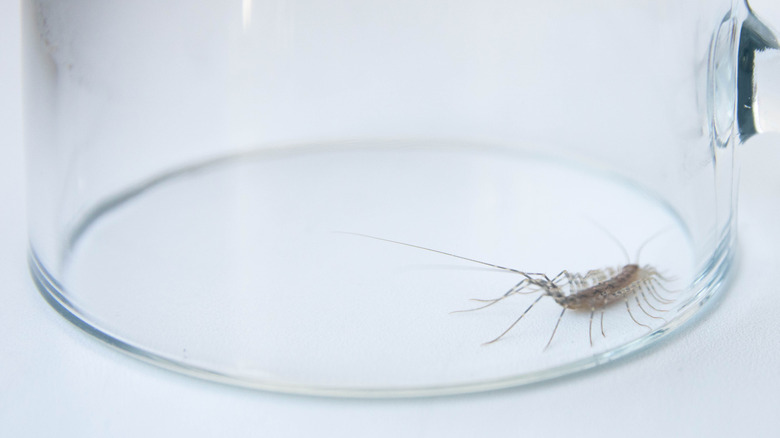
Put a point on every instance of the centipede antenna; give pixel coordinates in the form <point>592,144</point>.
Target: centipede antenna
<point>632,316</point>
<point>513,290</point>
<point>602,325</point>
<point>516,321</point>
<point>516,289</point>
<point>555,329</point>
<point>490,300</point>
<point>478,308</point>
<point>526,275</point>
<point>648,240</point>
<point>489,303</point>
<point>614,239</point>
<point>590,327</point>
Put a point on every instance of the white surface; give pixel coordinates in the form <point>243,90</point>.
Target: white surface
<point>716,377</point>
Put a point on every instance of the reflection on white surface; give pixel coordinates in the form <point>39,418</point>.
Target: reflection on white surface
<point>246,13</point>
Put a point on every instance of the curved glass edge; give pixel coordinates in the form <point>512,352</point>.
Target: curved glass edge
<point>714,276</point>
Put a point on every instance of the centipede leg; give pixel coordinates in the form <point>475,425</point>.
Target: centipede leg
<point>563,273</point>
<point>659,275</point>
<point>596,274</point>
<point>590,327</point>
<point>516,321</point>
<point>632,316</point>
<point>602,325</point>
<point>659,284</point>
<point>555,329</point>
<point>639,303</point>
<point>515,289</point>
<point>655,294</point>
<point>642,292</point>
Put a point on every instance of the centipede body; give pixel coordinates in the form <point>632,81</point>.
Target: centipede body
<point>592,291</point>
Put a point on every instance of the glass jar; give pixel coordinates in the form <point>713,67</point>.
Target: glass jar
<point>301,196</point>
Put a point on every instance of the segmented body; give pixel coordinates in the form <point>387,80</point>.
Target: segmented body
<point>603,293</point>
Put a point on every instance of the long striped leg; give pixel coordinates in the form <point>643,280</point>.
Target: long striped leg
<point>590,327</point>
<point>555,329</point>
<point>602,325</point>
<point>515,289</point>
<point>655,294</point>
<point>632,316</point>
<point>642,292</point>
<point>516,321</point>
<point>659,284</point>
<point>639,303</point>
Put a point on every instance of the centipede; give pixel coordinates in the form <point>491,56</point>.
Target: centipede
<point>592,291</point>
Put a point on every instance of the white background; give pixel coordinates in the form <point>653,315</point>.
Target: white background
<point>718,376</point>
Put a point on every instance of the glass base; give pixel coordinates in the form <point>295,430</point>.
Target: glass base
<point>258,270</point>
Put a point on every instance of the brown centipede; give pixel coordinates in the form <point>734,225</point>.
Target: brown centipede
<point>592,291</point>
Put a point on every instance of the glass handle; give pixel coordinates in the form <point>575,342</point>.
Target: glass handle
<point>758,78</point>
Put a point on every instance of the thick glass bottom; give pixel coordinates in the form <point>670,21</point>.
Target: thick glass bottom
<point>256,269</point>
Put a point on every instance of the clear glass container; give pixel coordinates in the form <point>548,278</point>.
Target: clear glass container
<point>301,195</point>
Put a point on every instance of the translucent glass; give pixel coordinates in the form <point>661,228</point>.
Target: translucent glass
<point>245,190</point>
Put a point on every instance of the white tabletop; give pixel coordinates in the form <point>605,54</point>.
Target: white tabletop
<point>718,376</point>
